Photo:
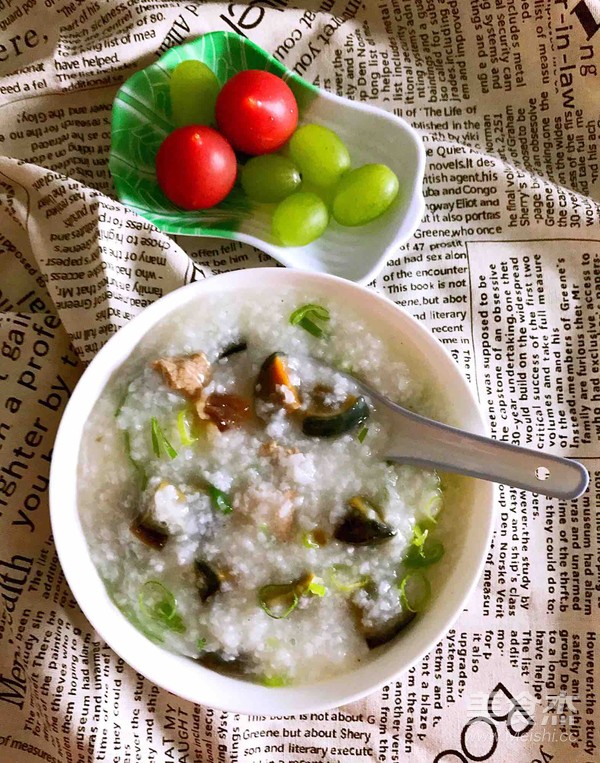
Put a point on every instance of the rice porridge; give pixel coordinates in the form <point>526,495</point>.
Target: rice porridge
<point>235,496</point>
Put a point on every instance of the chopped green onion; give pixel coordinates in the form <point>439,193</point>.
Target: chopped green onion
<point>311,327</point>
<point>278,601</point>
<point>130,614</point>
<point>275,681</point>
<point>184,429</point>
<point>423,551</point>
<point>201,644</point>
<point>143,477</point>
<point>159,439</point>
<point>220,500</point>
<point>415,591</point>
<point>155,440</point>
<point>306,316</point>
<point>127,437</point>
<point>157,603</point>
<point>433,506</point>
<point>154,594</point>
<point>316,588</point>
<point>172,453</point>
<point>176,624</point>
<point>429,554</point>
<point>362,434</point>
<point>308,540</point>
<point>345,579</point>
<point>345,366</point>
<point>419,538</point>
<point>316,311</point>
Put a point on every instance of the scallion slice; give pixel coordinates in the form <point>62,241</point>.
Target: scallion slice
<point>275,680</point>
<point>344,578</point>
<point>415,592</point>
<point>362,434</point>
<point>316,311</point>
<point>433,506</point>
<point>306,317</point>
<point>157,603</point>
<point>154,598</point>
<point>201,644</point>
<point>309,541</point>
<point>155,441</point>
<point>311,327</point>
<point>128,611</point>
<point>184,429</point>
<point>278,601</point>
<point>220,500</point>
<point>142,476</point>
<point>429,554</point>
<point>317,588</point>
<point>423,551</point>
<point>419,537</point>
<point>160,441</point>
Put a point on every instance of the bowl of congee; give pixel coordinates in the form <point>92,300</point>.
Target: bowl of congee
<point>224,508</point>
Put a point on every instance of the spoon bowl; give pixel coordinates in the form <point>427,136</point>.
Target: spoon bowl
<point>142,119</point>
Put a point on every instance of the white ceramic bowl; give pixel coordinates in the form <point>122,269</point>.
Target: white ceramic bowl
<point>472,513</point>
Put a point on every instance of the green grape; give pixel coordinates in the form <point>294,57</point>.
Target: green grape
<point>326,194</point>
<point>320,155</point>
<point>269,177</point>
<point>194,90</point>
<point>300,219</point>
<point>364,194</point>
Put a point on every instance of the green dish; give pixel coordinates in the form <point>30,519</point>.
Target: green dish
<point>141,120</point>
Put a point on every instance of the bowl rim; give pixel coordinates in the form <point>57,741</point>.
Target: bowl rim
<point>288,256</point>
<point>232,694</point>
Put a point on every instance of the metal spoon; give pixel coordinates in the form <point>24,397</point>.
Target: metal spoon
<point>421,441</point>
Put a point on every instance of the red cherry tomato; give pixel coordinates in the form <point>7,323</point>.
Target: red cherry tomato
<point>195,167</point>
<point>256,111</point>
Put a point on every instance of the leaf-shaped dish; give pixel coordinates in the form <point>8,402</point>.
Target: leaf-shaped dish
<point>142,119</point>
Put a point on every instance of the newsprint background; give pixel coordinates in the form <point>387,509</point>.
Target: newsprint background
<point>505,270</point>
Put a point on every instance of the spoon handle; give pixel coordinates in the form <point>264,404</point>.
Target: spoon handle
<point>418,440</point>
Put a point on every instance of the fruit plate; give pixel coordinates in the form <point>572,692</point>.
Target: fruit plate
<point>141,120</point>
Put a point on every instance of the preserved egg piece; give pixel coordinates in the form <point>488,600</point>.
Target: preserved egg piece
<point>279,600</point>
<point>273,383</point>
<point>225,410</point>
<point>353,413</point>
<point>150,531</point>
<point>381,633</point>
<point>236,666</point>
<point>233,349</point>
<point>208,581</point>
<point>362,525</point>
